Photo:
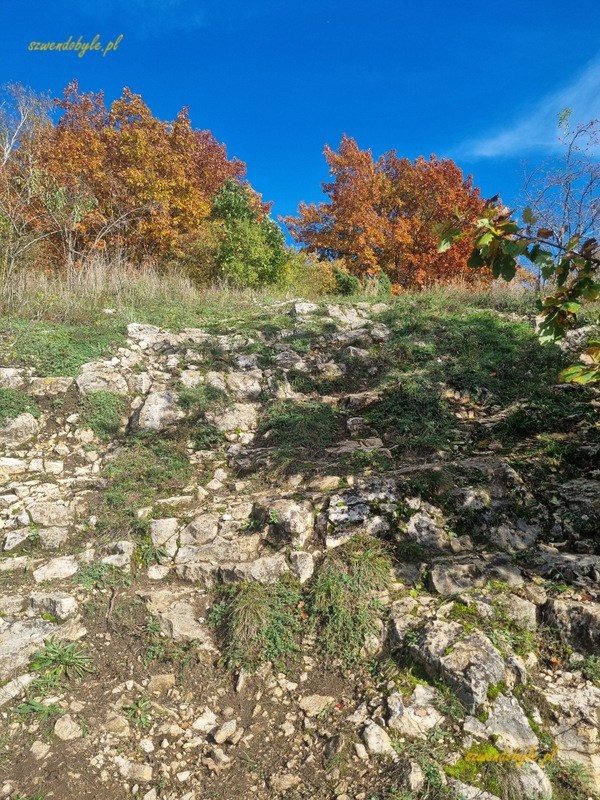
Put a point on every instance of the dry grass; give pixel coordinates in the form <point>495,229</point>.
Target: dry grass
<point>115,287</point>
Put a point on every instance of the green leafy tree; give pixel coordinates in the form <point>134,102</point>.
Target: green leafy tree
<point>252,251</point>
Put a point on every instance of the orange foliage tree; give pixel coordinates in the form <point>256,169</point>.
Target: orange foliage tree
<point>382,216</point>
<point>121,178</point>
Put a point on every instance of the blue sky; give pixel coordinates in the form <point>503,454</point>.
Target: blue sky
<point>274,80</point>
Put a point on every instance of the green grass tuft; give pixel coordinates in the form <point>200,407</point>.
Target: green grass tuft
<point>342,604</point>
<point>14,402</point>
<point>259,623</point>
<point>102,412</point>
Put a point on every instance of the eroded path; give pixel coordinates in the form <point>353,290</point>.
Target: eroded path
<point>431,463</point>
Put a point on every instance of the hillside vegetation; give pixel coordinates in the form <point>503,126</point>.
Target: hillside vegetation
<point>259,546</point>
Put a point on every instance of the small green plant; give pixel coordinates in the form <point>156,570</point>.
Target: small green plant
<point>138,713</point>
<point>448,703</point>
<point>100,576</point>
<point>43,712</point>
<point>147,553</point>
<point>206,437</point>
<point>590,668</point>
<point>259,623</point>
<point>14,402</point>
<point>570,780</point>
<point>62,659</point>
<point>274,516</point>
<point>342,603</point>
<point>159,648</point>
<point>102,412</point>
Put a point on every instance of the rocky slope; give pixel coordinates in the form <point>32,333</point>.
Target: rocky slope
<point>137,492</point>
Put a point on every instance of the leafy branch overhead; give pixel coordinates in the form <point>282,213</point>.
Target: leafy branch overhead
<point>501,244</point>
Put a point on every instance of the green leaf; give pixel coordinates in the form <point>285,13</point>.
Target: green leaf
<point>447,239</point>
<point>580,374</point>
<point>484,239</point>
<point>512,248</point>
<point>507,267</point>
<point>570,306</point>
<point>528,216</point>
<point>475,260</point>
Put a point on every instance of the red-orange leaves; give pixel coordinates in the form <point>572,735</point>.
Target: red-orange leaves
<point>381,216</point>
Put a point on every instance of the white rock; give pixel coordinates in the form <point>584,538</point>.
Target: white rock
<point>377,740</point>
<point>66,728</point>
<point>56,568</point>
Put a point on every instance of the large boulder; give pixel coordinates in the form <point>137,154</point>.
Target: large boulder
<point>468,664</point>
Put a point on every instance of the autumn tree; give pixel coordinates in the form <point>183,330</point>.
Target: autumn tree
<point>381,216</point>
<point>136,183</point>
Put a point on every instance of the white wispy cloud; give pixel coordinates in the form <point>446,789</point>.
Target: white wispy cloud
<point>538,130</point>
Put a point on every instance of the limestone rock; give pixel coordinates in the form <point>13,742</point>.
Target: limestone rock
<point>56,568</point>
<point>314,704</point>
<point>49,514</point>
<point>159,411</point>
<point>67,729</point>
<point>303,565</point>
<point>241,417</point>
<point>291,521</point>
<point>164,534</point>
<point>19,430</point>
<point>131,771</point>
<point>19,640</point>
<point>97,376</point>
<point>60,605</point>
<point>377,741</point>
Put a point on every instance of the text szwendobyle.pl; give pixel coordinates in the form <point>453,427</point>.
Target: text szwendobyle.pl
<point>80,47</point>
<point>517,757</point>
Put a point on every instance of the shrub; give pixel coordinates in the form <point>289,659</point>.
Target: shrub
<point>305,276</point>
<point>345,283</point>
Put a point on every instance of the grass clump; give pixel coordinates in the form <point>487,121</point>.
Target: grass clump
<point>200,399</point>
<point>300,430</point>
<point>61,659</point>
<point>414,416</point>
<point>102,412</point>
<point>259,623</point>
<point>207,437</point>
<point>196,402</point>
<point>14,402</point>
<point>146,468</point>
<point>342,603</point>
